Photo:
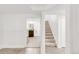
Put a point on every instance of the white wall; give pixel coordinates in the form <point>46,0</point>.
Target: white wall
<point>74,29</point>
<point>13,31</point>
<point>42,34</point>
<point>1,30</point>
<point>61,31</point>
<point>67,29</point>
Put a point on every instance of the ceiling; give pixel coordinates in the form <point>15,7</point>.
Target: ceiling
<point>23,8</point>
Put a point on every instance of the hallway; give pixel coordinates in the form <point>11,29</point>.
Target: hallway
<point>33,42</point>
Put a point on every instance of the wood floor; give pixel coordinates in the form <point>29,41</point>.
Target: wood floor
<point>33,42</point>
<point>33,45</point>
<point>50,50</point>
<point>32,48</point>
<point>20,51</point>
<point>31,51</point>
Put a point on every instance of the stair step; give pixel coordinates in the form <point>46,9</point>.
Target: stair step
<point>48,31</point>
<point>48,34</point>
<point>50,44</point>
<point>49,37</point>
<point>50,40</point>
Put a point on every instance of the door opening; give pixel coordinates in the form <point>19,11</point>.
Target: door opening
<point>31,30</point>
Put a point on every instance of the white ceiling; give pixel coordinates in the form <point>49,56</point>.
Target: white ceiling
<point>25,7</point>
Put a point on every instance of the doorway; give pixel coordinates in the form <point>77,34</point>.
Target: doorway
<point>33,32</point>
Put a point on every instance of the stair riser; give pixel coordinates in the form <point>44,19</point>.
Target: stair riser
<point>49,37</point>
<point>51,41</point>
<point>48,34</point>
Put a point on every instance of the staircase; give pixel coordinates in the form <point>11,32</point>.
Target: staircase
<point>49,38</point>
